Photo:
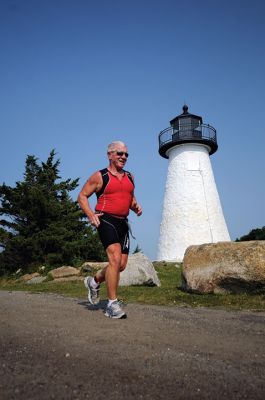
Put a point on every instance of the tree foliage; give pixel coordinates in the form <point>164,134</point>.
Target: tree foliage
<point>254,234</point>
<point>40,223</point>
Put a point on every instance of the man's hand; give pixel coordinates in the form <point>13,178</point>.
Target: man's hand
<point>94,219</point>
<point>137,209</point>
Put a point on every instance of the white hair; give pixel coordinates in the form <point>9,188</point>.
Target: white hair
<point>112,146</point>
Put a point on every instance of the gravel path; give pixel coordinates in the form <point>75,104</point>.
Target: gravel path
<point>53,347</point>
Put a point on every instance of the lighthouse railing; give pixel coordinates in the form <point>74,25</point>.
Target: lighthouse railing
<point>187,132</point>
<point>204,134</point>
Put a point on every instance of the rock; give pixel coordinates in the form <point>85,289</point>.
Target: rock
<point>139,271</point>
<point>28,277</point>
<point>90,266</point>
<point>63,272</point>
<point>36,279</point>
<point>68,279</point>
<point>86,268</point>
<point>225,267</point>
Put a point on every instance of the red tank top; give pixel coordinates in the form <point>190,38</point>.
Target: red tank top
<point>116,195</point>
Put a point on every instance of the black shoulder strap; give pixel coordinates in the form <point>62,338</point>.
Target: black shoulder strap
<point>105,178</point>
<point>130,177</point>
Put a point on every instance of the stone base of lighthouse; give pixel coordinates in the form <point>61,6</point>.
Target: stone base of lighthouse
<point>192,212</point>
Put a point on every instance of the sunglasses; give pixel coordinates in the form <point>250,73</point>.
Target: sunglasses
<point>122,153</point>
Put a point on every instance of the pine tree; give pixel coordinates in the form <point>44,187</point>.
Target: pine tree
<point>254,234</point>
<point>40,222</point>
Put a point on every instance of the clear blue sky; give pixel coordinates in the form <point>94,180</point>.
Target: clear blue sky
<point>78,74</point>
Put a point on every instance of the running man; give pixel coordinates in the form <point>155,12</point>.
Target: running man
<point>114,188</point>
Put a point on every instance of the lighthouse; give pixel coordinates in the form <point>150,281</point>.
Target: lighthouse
<point>192,212</point>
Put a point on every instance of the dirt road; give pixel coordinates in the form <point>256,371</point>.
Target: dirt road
<point>54,347</point>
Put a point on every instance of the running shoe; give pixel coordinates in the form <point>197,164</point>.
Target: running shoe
<point>115,311</point>
<point>92,293</point>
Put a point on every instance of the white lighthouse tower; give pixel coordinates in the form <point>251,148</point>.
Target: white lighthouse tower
<point>192,212</point>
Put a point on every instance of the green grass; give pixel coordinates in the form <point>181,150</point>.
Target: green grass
<point>168,294</point>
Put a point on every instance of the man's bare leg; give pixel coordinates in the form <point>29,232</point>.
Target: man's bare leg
<point>112,274</point>
<point>100,276</point>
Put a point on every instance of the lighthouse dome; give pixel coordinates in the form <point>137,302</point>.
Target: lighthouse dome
<point>189,118</point>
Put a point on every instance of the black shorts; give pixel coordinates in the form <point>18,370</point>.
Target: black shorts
<point>114,230</point>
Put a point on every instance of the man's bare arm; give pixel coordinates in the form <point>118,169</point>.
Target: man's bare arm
<point>92,185</point>
<point>136,207</point>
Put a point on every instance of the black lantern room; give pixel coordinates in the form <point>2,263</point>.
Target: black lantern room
<point>187,128</point>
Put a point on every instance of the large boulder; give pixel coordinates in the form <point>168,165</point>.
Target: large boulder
<point>74,278</point>
<point>36,279</point>
<point>139,271</point>
<point>64,271</point>
<point>28,277</point>
<point>225,267</point>
<point>93,266</point>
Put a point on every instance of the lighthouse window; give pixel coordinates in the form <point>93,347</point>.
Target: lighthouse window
<point>184,122</point>
<point>185,127</point>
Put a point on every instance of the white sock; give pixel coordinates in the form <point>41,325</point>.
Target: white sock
<point>94,284</point>
<point>110,302</point>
